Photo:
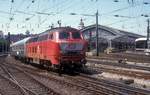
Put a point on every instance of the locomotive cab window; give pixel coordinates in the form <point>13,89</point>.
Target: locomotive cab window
<point>76,35</point>
<point>51,36</point>
<point>64,35</point>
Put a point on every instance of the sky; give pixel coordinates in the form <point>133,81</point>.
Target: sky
<point>36,16</point>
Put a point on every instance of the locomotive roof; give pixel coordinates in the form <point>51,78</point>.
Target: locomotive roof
<point>58,29</point>
<point>21,42</point>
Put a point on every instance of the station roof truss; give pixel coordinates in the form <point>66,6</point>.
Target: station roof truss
<point>109,33</point>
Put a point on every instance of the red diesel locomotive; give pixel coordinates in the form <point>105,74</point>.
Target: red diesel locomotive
<point>58,47</point>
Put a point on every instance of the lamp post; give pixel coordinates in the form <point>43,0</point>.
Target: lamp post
<point>148,34</point>
<point>148,31</point>
<point>97,35</point>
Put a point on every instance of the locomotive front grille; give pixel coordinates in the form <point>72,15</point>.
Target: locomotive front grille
<point>71,53</point>
<point>71,46</point>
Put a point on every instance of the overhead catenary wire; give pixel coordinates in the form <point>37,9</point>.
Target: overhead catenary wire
<point>34,13</point>
<point>56,13</point>
<point>102,14</point>
<point>13,14</point>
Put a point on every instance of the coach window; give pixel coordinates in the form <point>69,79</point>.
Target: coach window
<point>64,35</point>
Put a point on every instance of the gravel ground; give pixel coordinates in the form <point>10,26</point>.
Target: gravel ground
<point>61,87</point>
<point>139,83</point>
<point>67,89</point>
<point>139,64</point>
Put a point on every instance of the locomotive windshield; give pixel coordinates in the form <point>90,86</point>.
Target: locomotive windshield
<point>67,35</point>
<point>64,35</point>
<point>76,35</point>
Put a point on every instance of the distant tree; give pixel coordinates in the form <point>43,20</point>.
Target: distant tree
<point>3,45</point>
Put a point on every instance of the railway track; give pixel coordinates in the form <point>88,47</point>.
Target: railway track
<point>80,84</point>
<point>84,83</point>
<point>115,86</point>
<point>28,84</point>
<point>101,90</point>
<point>64,83</point>
<point>127,72</point>
<point>69,81</point>
<point>117,56</point>
<point>102,86</point>
<point>9,87</point>
<point>128,66</point>
<point>4,73</point>
<point>8,76</point>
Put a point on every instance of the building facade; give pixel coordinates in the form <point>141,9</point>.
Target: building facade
<point>109,37</point>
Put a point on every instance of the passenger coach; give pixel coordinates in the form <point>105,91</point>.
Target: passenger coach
<point>18,49</point>
<point>142,45</point>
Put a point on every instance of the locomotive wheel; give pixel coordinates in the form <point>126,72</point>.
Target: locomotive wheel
<point>60,69</point>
